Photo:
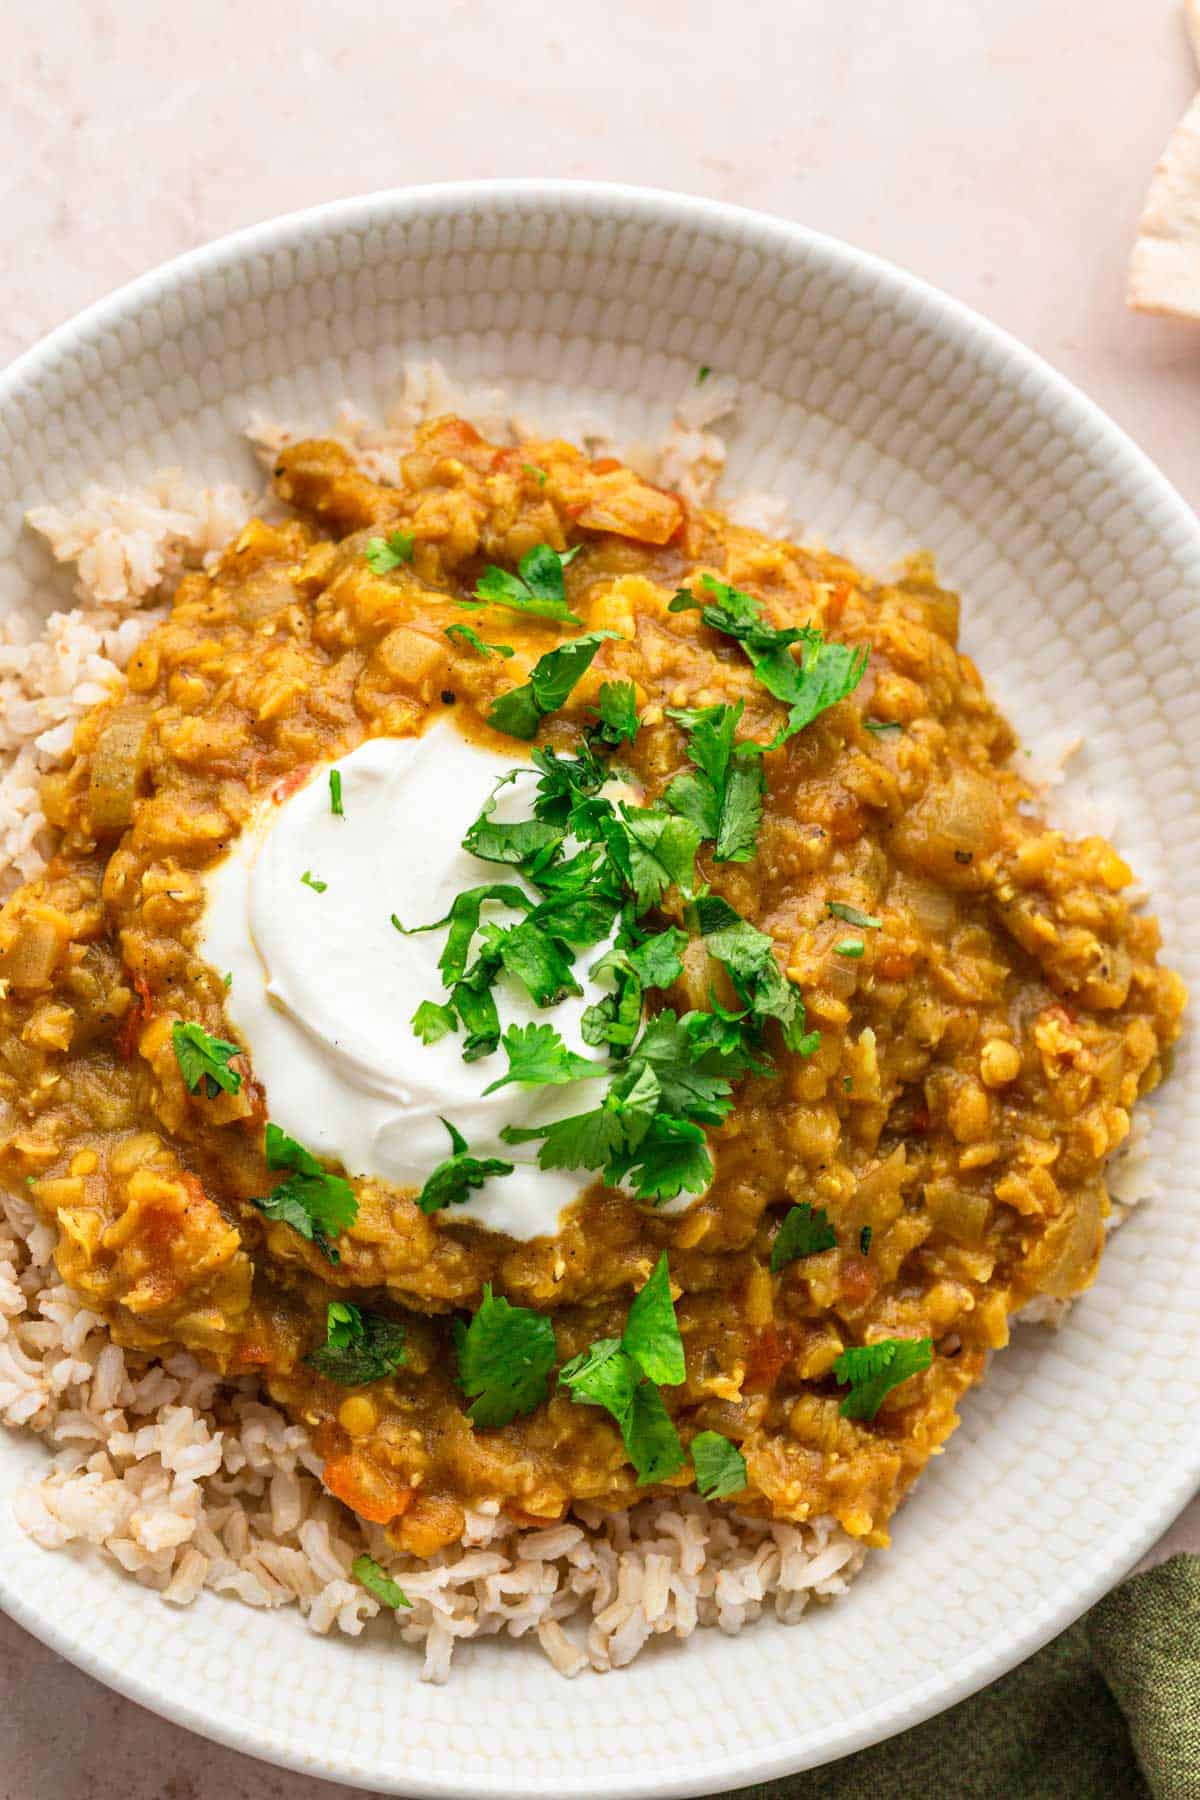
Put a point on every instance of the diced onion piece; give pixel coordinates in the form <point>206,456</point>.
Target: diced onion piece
<point>117,765</point>
<point>631,510</point>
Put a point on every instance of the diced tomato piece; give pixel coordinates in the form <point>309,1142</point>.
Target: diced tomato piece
<point>285,788</point>
<point>138,1015</point>
<point>769,1354</point>
<point>857,1280</point>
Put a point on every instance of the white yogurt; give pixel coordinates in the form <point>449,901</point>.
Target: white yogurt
<point>324,988</point>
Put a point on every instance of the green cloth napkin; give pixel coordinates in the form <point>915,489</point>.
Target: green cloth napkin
<point>1108,1711</point>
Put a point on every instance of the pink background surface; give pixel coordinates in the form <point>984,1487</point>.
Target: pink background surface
<point>999,150</point>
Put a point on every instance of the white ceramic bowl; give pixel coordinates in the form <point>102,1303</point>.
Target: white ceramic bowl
<point>892,418</point>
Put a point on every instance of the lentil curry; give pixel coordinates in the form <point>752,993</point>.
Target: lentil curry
<point>983,1005</point>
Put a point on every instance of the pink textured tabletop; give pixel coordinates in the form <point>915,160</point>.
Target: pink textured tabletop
<point>1000,151</point>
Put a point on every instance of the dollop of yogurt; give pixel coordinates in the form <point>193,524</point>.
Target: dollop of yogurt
<point>324,987</point>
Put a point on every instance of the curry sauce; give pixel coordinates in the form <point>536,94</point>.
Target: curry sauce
<point>977,1063</point>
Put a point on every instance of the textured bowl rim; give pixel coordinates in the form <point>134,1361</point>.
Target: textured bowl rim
<point>953,318</point>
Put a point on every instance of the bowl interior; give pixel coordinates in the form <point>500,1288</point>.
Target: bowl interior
<point>890,419</point>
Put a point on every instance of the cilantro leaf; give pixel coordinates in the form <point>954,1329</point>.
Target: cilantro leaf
<point>475,1004</point>
<point>651,1334</point>
<point>463,920</point>
<point>505,1356</point>
<point>368,1574</point>
<point>451,1182</point>
<point>689,1084</point>
<point>579,918</point>
<point>873,1370</point>
<point>516,842</point>
<point>431,1022</point>
<point>359,1346</point>
<point>310,881</point>
<point>593,1139</point>
<point>204,1060</point>
<point>521,710</point>
<point>661,850</point>
<point>658,959</point>
<point>724,797</point>
<point>603,1375</point>
<point>749,956</point>
<point>671,1158</point>
<point>616,1017</point>
<point>480,646</point>
<point>651,1438</point>
<point>720,1466</point>
<point>537,960</point>
<point>335,793</point>
<point>317,1205</point>
<point>616,713</point>
<point>805,1231</point>
<point>537,588</point>
<point>824,673</point>
<point>620,1375</point>
<point>865,921</point>
<point>537,1056</point>
<point>385,554</point>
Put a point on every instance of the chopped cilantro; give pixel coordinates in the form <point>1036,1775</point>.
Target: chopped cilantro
<point>805,1231</point>
<point>873,1370</point>
<point>658,960</point>
<point>851,947</point>
<point>478,644</point>
<point>671,1158</point>
<point>620,1374</point>
<point>661,851</point>
<point>865,921</point>
<point>616,713</point>
<point>537,587</point>
<point>385,554</point>
<point>204,1060</point>
<point>538,961</point>
<point>451,1182</point>
<point>505,1356</point>
<point>521,710</point>
<point>824,673</point>
<point>705,372</point>
<point>359,1346</point>
<point>651,1334</point>
<point>724,796</point>
<point>463,920</point>
<point>881,727</point>
<point>368,1574</point>
<point>539,475</point>
<point>335,793</point>
<point>720,1466</point>
<point>749,956</point>
<point>518,841</point>
<point>431,1022</point>
<point>310,880</point>
<point>227,978</point>
<point>864,1241</point>
<point>538,1057</point>
<point>313,1202</point>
